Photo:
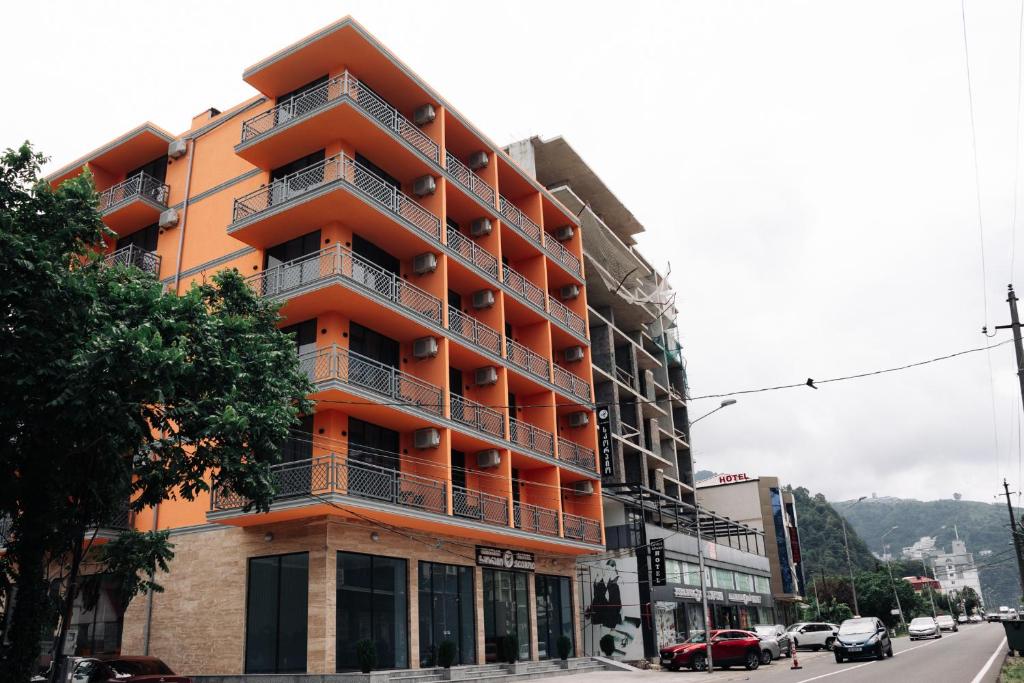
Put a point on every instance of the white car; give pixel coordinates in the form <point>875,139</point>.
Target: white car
<point>924,627</point>
<point>813,634</point>
<point>946,623</point>
<point>963,619</point>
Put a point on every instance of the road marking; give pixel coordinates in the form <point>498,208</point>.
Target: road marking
<point>988,664</point>
<point>875,661</point>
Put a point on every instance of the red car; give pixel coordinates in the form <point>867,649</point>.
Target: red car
<point>124,670</point>
<point>728,648</point>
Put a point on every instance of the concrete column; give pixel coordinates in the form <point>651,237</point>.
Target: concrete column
<point>531,589</point>
<point>414,613</point>
<point>478,590</point>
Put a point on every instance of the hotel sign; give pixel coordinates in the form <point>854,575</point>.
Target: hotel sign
<point>604,442</point>
<point>487,556</point>
<point>657,548</point>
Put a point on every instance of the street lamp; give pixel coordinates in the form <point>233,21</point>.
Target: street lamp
<point>725,404</point>
<point>888,566</point>
<point>849,562</point>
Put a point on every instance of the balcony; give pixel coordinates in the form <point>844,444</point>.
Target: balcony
<point>476,416</point>
<point>478,505</point>
<point>577,386</point>
<point>523,288</point>
<point>465,177</point>
<point>337,264</point>
<point>337,364</point>
<point>471,330</point>
<point>563,256</point>
<point>526,360</point>
<point>472,253</point>
<point>562,315</point>
<point>581,528</point>
<point>133,203</point>
<point>132,255</point>
<point>574,453</point>
<point>304,121</point>
<point>525,435</point>
<point>518,220</point>
<point>337,186</point>
<point>536,519</point>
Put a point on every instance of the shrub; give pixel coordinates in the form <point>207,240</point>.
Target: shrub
<point>446,654</point>
<point>564,647</point>
<point>607,644</point>
<point>366,655</point>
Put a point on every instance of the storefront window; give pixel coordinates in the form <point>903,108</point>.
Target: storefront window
<point>446,611</point>
<point>506,613</point>
<point>694,618</point>
<point>691,574</point>
<point>554,613</point>
<point>96,617</point>
<point>372,605</point>
<point>674,571</point>
<point>724,616</point>
<point>744,582</point>
<point>276,614</point>
<point>722,578</point>
<point>762,585</point>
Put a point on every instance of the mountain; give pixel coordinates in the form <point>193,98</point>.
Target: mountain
<point>983,526</point>
<point>821,538</point>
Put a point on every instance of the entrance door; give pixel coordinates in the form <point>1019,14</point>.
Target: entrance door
<point>506,615</point>
<point>297,182</point>
<point>372,460</point>
<point>371,604</point>
<point>446,611</point>
<point>554,613</point>
<point>291,264</point>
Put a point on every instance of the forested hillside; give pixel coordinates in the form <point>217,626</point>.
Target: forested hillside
<point>821,538</point>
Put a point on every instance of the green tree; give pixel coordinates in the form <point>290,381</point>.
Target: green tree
<point>970,599</point>
<point>113,390</point>
<point>876,598</point>
<point>821,538</point>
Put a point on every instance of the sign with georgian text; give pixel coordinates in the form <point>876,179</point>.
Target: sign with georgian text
<point>604,442</point>
<point>498,558</point>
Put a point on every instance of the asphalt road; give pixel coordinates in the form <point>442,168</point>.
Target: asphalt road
<point>973,655</point>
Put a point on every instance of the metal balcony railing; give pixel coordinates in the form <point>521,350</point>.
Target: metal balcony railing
<point>362,274</point>
<point>624,376</point>
<point>526,359</point>
<point>574,453</point>
<point>516,218</point>
<point>528,436</point>
<point>535,518</point>
<point>567,318</point>
<point>472,414</point>
<point>578,386</point>
<point>479,505</point>
<point>562,255</point>
<point>472,252</point>
<point>343,169</point>
<point>474,331</point>
<point>132,255</point>
<point>581,528</point>
<point>522,287</point>
<point>139,186</point>
<point>465,176</point>
<point>345,85</point>
<point>337,363</point>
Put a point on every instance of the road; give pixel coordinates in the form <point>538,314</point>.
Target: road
<point>973,655</point>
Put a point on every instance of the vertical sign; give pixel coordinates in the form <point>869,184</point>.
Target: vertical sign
<point>604,442</point>
<point>657,548</point>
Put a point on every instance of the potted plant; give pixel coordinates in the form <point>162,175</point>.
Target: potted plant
<point>564,645</point>
<point>510,653</point>
<point>607,644</point>
<point>446,653</point>
<point>366,655</point>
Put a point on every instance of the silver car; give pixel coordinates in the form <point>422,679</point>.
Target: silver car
<point>769,650</point>
<point>924,627</point>
<point>776,633</point>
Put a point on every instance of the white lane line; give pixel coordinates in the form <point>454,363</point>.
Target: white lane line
<point>988,664</point>
<point>875,661</point>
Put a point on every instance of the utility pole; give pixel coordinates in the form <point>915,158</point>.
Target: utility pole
<point>1018,344</point>
<point>1006,488</point>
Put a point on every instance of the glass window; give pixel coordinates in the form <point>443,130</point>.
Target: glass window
<point>674,571</point>
<point>554,613</point>
<point>372,605</point>
<point>744,582</point>
<point>506,613</point>
<point>762,584</point>
<point>144,239</point>
<point>276,614</point>
<point>446,611</point>
<point>722,578</point>
<point>691,574</point>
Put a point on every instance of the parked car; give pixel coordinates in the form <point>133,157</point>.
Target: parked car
<point>862,637</point>
<point>946,623</point>
<point>776,632</point>
<point>728,648</point>
<point>963,619</point>
<point>1010,615</point>
<point>124,670</point>
<point>924,627</point>
<point>769,650</point>
<point>976,619</point>
<point>992,616</point>
<point>813,634</point>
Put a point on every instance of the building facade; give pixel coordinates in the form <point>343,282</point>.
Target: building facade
<point>956,569</point>
<point>647,471</point>
<point>764,504</point>
<point>447,481</point>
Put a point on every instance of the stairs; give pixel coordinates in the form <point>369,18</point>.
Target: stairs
<point>498,673</point>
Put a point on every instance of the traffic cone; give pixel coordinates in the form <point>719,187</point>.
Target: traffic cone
<point>792,656</point>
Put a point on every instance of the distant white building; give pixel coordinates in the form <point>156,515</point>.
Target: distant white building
<point>956,570</point>
<point>921,549</point>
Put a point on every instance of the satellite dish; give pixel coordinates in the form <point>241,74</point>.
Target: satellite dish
<point>957,496</point>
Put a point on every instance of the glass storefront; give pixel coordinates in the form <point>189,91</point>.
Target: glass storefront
<point>446,611</point>
<point>506,613</point>
<point>554,614</point>
<point>276,614</point>
<point>372,604</point>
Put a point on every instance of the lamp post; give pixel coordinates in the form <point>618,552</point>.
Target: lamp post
<point>700,553</point>
<point>888,566</point>
<point>849,562</point>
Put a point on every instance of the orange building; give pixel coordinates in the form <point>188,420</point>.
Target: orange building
<point>447,481</point>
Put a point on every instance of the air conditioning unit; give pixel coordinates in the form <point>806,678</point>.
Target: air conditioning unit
<point>564,234</point>
<point>424,185</point>
<point>483,299</point>
<point>424,347</point>
<point>478,160</point>
<point>583,488</point>
<point>568,292</point>
<point>485,460</point>
<point>485,376</point>
<point>424,263</point>
<point>168,218</point>
<point>573,354</point>
<point>426,438</point>
<point>177,148</point>
<point>424,114</point>
<point>579,419</point>
<point>481,227</point>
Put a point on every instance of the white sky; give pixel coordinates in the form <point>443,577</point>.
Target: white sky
<point>804,166</point>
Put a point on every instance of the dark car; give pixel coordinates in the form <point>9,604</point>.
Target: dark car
<point>728,648</point>
<point>124,670</point>
<point>862,637</point>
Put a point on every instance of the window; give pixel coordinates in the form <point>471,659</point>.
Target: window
<point>371,252</point>
<point>554,613</point>
<point>506,613</point>
<point>371,605</point>
<point>295,104</point>
<point>376,174</point>
<point>372,443</point>
<point>297,165</point>
<point>373,344</point>
<point>722,578</point>
<point>291,250</point>
<point>744,582</point>
<point>156,168</point>
<point>446,611</point>
<point>305,335</point>
<point>144,239</point>
<point>691,574</point>
<point>674,571</point>
<point>276,613</point>
<point>762,584</point>
<point>781,541</point>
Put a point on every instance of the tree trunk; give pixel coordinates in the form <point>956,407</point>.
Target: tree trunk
<point>30,609</point>
<point>58,672</point>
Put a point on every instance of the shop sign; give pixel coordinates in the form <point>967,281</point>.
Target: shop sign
<point>487,556</point>
<point>657,548</point>
<point>694,594</point>
<point>604,441</point>
<point>745,598</point>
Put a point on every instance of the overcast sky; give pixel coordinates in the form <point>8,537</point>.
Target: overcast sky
<point>805,167</point>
